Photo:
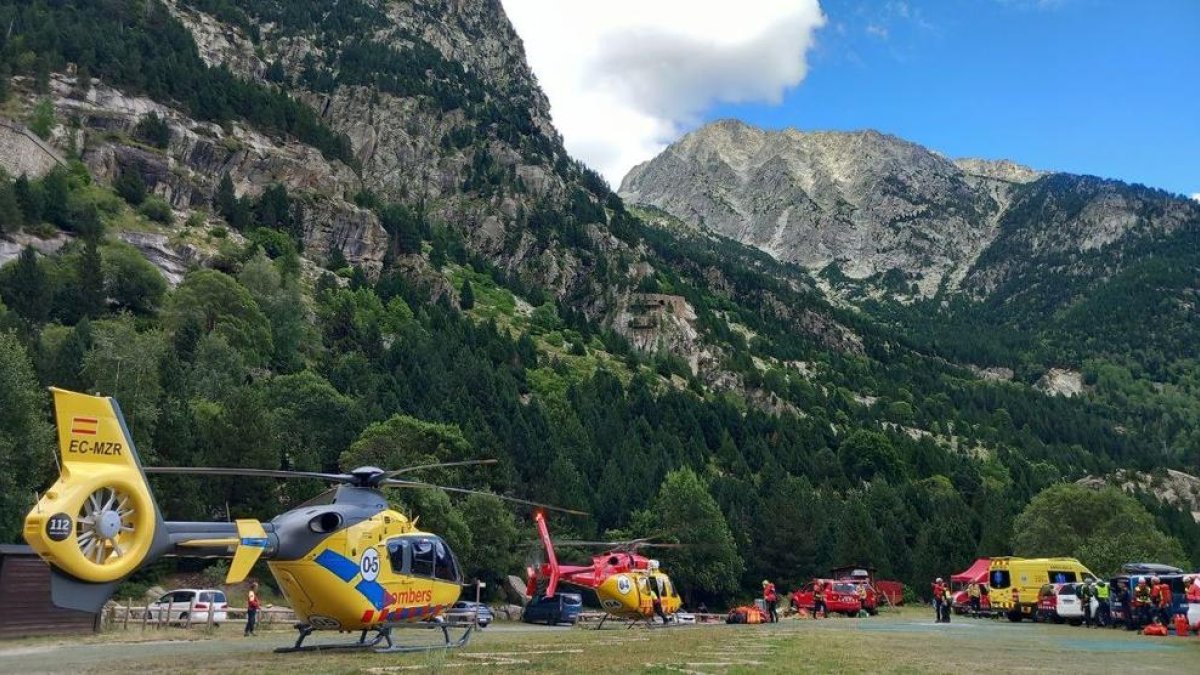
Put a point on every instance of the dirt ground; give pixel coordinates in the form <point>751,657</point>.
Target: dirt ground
<point>907,641</point>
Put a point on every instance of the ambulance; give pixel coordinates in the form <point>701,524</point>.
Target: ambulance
<point>1014,583</point>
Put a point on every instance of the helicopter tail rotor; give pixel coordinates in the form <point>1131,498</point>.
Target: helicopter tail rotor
<point>98,522</point>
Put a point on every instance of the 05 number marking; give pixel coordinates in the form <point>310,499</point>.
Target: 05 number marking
<point>369,565</point>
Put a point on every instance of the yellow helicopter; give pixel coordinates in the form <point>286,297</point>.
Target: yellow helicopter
<point>627,585</point>
<point>344,560</point>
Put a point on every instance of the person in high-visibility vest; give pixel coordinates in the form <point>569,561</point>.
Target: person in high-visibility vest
<point>819,600</point>
<point>1103,613</point>
<point>771,598</point>
<point>973,594</point>
<point>1141,603</point>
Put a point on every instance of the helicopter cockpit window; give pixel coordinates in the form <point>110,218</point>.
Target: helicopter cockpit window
<point>423,558</point>
<point>446,567</point>
<point>396,552</point>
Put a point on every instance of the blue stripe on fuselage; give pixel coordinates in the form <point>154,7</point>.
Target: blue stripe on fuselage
<point>341,566</point>
<point>372,591</point>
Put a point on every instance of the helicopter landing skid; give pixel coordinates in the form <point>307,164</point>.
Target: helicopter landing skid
<point>632,623</point>
<point>383,635</point>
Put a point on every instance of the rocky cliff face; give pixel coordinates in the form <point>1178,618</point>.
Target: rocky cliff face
<point>426,143</point>
<point>1169,486</point>
<point>864,201</point>
<point>442,117</point>
<point>886,210</point>
<point>441,110</point>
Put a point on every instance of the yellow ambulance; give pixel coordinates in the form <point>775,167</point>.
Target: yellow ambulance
<point>1013,583</point>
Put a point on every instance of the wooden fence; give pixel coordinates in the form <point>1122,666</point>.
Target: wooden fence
<point>118,616</point>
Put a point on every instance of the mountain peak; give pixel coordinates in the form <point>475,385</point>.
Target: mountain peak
<point>999,169</point>
<point>878,206</point>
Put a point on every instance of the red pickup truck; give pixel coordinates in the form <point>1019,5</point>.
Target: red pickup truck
<point>840,597</point>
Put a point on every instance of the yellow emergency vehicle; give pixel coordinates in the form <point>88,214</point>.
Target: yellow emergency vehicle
<point>1013,583</point>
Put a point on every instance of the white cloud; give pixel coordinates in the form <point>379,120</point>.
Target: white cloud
<point>1196,196</point>
<point>627,77</point>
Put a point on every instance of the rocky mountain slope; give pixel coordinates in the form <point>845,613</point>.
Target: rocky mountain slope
<point>889,211</point>
<point>370,220</point>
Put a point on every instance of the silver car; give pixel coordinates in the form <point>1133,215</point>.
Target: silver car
<point>177,606</point>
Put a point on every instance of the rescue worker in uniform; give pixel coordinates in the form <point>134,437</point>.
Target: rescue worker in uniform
<point>656,600</point>
<point>1160,592</point>
<point>938,592</point>
<point>1141,604</point>
<point>973,594</point>
<point>1192,587</point>
<point>946,599</point>
<point>819,600</point>
<point>771,599</point>
<point>1083,591</point>
<point>1103,613</point>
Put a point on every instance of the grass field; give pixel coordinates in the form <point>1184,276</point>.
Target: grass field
<point>904,642</point>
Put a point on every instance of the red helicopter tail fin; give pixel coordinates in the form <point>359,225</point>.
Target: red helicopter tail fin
<point>551,567</point>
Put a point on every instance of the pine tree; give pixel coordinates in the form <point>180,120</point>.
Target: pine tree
<point>27,290</point>
<point>5,82</point>
<point>90,292</point>
<point>131,187</point>
<point>11,217</point>
<point>466,296</point>
<point>225,202</point>
<point>42,120</point>
<point>31,199</point>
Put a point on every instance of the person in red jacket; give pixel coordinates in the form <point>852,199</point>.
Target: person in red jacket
<point>1192,586</point>
<point>771,598</point>
<point>252,607</point>
<point>1160,593</point>
<point>939,590</point>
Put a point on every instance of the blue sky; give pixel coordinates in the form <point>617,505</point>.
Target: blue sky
<point>1103,87</point>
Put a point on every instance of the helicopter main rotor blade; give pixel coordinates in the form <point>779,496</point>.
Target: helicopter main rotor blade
<point>577,542</point>
<point>439,465</point>
<point>393,482</point>
<point>257,473</point>
<point>630,545</point>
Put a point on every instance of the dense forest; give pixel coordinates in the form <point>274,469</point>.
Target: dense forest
<point>251,367</point>
<point>823,436</point>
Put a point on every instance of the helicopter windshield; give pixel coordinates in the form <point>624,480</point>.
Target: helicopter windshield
<point>424,556</point>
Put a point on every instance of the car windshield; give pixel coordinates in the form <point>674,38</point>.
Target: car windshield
<point>1067,589</point>
<point>844,588</point>
<point>1046,590</point>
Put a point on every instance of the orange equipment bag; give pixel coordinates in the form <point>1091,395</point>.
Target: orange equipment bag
<point>1156,629</point>
<point>1181,625</point>
<point>746,614</point>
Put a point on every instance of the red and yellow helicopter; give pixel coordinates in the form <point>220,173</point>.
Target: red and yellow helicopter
<point>344,560</point>
<point>627,585</point>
